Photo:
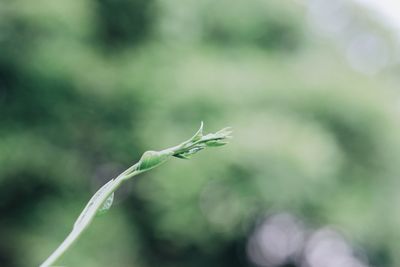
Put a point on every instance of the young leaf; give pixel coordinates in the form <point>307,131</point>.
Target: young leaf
<point>106,205</point>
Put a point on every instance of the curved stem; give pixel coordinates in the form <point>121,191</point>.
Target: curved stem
<point>148,161</point>
<point>88,213</point>
<point>71,238</point>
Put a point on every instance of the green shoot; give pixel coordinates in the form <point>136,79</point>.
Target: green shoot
<point>103,198</point>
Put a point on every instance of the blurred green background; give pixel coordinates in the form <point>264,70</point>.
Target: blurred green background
<point>311,178</point>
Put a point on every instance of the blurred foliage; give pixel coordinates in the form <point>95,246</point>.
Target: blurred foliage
<point>86,86</point>
<point>123,22</point>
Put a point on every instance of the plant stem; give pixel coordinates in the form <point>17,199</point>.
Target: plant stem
<point>71,238</point>
<point>88,217</point>
<point>103,198</point>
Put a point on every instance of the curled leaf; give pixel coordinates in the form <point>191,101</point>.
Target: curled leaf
<point>187,154</point>
<point>106,205</point>
<point>151,159</point>
<point>199,134</point>
<point>215,143</point>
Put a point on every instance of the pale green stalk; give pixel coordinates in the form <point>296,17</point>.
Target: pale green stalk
<point>103,198</point>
